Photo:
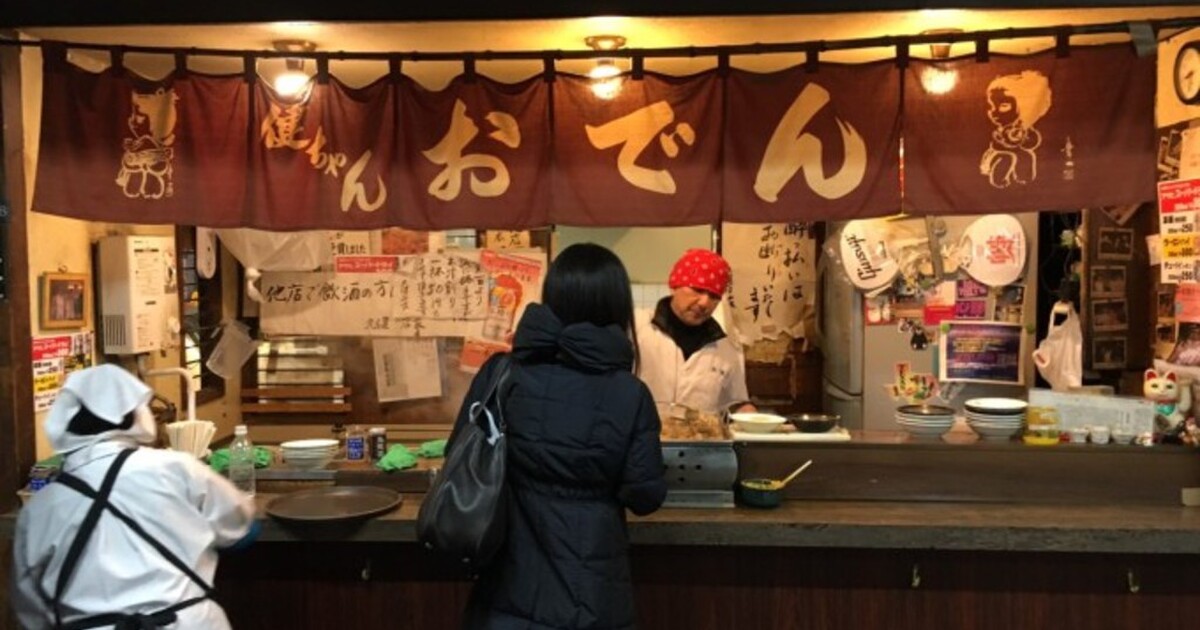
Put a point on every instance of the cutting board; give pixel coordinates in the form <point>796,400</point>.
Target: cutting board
<point>834,435</point>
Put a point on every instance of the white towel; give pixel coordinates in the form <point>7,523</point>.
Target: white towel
<point>109,392</point>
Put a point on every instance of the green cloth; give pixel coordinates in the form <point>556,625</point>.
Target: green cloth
<point>433,448</point>
<point>219,460</point>
<point>398,457</point>
<point>54,461</point>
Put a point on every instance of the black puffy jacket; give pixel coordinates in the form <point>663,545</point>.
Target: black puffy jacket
<point>583,446</point>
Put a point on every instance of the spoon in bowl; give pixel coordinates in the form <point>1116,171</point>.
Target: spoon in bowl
<point>783,482</point>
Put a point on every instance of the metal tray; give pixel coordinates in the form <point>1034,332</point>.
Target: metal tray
<point>333,504</point>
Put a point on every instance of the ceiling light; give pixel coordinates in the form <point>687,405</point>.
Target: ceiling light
<point>935,79</point>
<point>293,81</point>
<point>606,76</point>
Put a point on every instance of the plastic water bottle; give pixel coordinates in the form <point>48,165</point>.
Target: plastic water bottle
<point>241,460</point>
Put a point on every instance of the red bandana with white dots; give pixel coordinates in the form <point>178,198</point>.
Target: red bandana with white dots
<point>700,269</point>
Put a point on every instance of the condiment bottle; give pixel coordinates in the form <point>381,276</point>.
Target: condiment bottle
<point>1041,426</point>
<point>356,444</point>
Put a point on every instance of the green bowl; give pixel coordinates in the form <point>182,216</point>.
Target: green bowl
<point>760,493</point>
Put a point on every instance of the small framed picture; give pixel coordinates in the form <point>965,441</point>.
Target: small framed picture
<point>1165,333</point>
<point>66,300</point>
<point>1166,305</point>
<point>1108,353</point>
<point>1110,315</point>
<point>1108,281</point>
<point>1115,244</point>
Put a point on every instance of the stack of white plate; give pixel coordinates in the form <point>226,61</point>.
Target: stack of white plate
<point>925,422</point>
<point>309,454</point>
<point>995,419</point>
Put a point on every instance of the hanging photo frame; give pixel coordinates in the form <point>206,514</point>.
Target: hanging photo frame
<point>1115,244</point>
<point>66,299</point>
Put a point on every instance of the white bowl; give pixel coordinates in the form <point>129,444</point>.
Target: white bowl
<point>996,406</point>
<point>314,444</point>
<point>308,463</point>
<point>753,422</point>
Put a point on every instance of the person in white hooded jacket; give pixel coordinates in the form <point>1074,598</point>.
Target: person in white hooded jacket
<point>125,537</point>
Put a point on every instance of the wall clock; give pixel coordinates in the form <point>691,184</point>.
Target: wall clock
<point>1187,73</point>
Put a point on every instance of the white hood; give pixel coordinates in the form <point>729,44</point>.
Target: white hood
<point>109,392</point>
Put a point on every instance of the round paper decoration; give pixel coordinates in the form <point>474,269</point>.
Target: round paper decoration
<point>865,255</point>
<point>993,250</point>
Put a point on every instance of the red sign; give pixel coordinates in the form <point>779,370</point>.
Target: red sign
<point>366,264</point>
<point>1180,196</point>
<point>51,347</point>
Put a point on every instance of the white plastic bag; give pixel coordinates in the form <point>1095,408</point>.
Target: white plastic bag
<point>1059,357</point>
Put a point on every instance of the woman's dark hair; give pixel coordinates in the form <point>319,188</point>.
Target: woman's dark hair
<point>588,283</point>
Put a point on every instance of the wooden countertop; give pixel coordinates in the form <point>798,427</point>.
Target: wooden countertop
<point>849,524</point>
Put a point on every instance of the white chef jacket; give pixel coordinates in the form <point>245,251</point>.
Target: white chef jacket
<point>176,498</point>
<point>713,378</point>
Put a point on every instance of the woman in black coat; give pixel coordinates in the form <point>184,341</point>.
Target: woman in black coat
<point>583,447</point>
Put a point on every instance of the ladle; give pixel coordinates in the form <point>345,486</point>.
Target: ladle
<point>794,474</point>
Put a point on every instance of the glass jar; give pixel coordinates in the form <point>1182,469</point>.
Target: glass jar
<point>1041,426</point>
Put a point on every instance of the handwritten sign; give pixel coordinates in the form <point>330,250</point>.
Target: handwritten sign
<point>982,352</point>
<point>428,295</point>
<point>774,277</point>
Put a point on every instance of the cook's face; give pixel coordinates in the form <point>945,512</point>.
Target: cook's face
<point>693,306</point>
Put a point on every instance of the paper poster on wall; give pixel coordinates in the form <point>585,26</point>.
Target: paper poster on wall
<point>407,369</point>
<point>982,352</point>
<point>506,239</point>
<point>774,277</point>
<point>455,294</point>
<point>477,351</point>
<point>55,357</point>
<point>939,303</point>
<point>1179,207</point>
<point>429,295</point>
<point>514,281</point>
<point>1189,154</point>
<point>348,243</point>
<point>1187,302</point>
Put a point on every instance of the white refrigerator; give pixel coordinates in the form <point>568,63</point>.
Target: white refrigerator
<point>860,359</point>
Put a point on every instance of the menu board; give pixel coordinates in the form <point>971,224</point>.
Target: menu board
<point>982,352</point>
<point>1179,233</point>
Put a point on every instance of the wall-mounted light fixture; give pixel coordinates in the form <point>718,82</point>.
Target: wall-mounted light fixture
<point>934,78</point>
<point>293,81</point>
<point>605,75</point>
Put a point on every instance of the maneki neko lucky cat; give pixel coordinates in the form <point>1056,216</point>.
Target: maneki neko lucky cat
<point>1172,399</point>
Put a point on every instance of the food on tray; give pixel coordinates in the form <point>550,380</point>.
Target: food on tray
<point>693,425</point>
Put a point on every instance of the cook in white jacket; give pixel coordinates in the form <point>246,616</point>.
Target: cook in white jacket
<point>146,522</point>
<point>684,356</point>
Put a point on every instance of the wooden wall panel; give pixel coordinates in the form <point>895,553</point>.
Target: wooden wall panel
<point>16,377</point>
<point>323,585</point>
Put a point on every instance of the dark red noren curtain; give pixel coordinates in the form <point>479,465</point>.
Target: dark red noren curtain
<point>807,146</point>
<point>1038,132</point>
<point>649,156</point>
<point>476,154</point>
<point>115,147</point>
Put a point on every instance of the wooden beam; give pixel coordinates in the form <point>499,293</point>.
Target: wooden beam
<point>295,392</point>
<point>255,408</point>
<point>17,448</point>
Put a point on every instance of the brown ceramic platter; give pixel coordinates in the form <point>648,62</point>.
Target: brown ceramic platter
<point>333,504</point>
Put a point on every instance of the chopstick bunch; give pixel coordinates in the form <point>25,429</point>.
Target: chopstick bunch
<point>191,436</point>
